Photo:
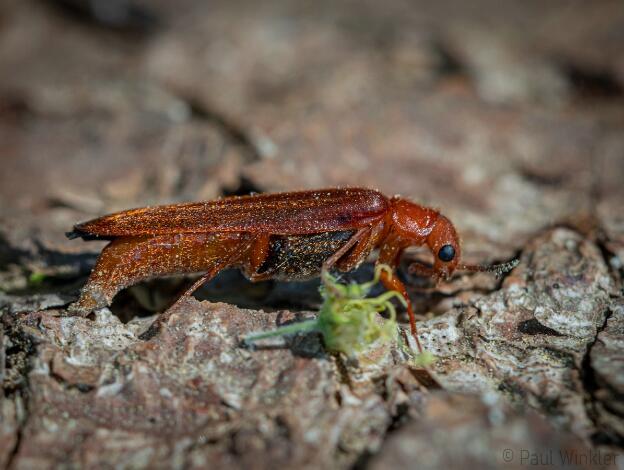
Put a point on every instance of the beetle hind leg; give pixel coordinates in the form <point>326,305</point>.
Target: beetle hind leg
<point>130,260</point>
<point>110,275</point>
<point>154,328</point>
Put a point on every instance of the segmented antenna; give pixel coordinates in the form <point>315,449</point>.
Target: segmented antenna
<point>497,269</point>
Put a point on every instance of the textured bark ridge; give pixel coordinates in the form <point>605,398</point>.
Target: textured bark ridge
<point>505,115</point>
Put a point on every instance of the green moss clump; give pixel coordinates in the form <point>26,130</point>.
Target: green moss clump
<point>349,321</point>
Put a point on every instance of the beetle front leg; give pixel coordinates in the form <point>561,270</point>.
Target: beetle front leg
<point>389,254</point>
<point>392,282</point>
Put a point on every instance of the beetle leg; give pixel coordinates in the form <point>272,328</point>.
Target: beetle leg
<point>259,252</point>
<point>392,282</point>
<point>359,236</point>
<point>421,270</point>
<point>389,254</point>
<point>362,249</point>
<point>163,318</point>
<point>129,260</point>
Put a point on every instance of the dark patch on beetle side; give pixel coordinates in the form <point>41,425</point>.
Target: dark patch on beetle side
<point>271,262</point>
<point>300,257</point>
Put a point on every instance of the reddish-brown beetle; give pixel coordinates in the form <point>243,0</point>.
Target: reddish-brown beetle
<point>289,236</point>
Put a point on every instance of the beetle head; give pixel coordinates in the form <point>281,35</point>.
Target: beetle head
<point>444,245</point>
<point>422,225</point>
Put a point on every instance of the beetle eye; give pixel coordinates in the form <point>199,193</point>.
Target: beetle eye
<point>446,253</point>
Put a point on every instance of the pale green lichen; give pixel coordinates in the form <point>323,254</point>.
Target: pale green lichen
<point>349,321</point>
<point>423,359</point>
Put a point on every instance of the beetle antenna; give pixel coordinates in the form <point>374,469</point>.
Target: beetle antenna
<point>497,269</point>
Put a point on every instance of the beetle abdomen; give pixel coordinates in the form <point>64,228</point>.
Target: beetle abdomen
<point>300,257</point>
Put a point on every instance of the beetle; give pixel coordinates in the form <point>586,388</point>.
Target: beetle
<point>285,236</point>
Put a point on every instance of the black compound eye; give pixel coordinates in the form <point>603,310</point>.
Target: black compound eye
<point>446,253</point>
